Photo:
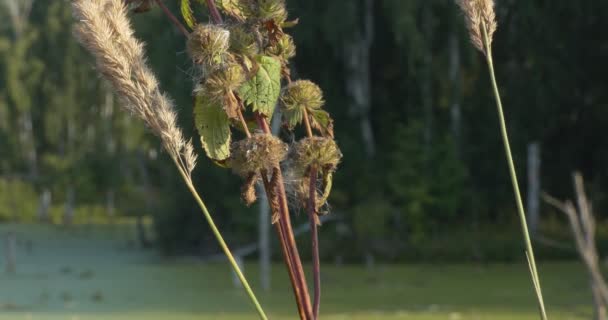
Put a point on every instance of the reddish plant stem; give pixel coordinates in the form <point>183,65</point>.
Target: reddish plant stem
<point>307,124</point>
<point>283,241</point>
<point>314,228</point>
<point>215,13</point>
<point>312,211</point>
<point>285,223</point>
<point>173,19</point>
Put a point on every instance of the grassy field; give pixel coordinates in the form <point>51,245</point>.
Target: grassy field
<point>86,273</point>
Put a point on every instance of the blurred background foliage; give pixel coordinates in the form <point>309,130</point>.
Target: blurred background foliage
<point>423,175</point>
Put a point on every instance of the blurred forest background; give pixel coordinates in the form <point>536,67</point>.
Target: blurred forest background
<point>423,176</point>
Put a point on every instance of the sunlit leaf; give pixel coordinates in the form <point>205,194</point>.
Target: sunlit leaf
<point>213,126</point>
<point>261,92</point>
<point>322,122</point>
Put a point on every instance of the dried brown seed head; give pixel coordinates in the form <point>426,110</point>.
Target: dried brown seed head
<point>320,152</point>
<point>208,45</point>
<point>248,189</point>
<point>272,10</point>
<point>243,41</point>
<point>302,94</point>
<point>284,48</point>
<point>223,81</point>
<point>260,152</point>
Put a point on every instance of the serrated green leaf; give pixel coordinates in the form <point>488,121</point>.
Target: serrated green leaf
<point>262,91</point>
<point>293,117</point>
<point>213,126</point>
<point>322,122</point>
<point>187,13</point>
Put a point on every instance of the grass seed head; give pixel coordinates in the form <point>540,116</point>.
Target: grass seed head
<point>478,12</point>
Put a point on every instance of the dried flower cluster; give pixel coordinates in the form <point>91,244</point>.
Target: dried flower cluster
<point>479,14</point>
<point>242,62</point>
<point>104,29</point>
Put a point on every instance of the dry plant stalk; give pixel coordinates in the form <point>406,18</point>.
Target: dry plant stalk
<point>583,225</point>
<point>240,65</point>
<point>481,22</point>
<point>104,29</point>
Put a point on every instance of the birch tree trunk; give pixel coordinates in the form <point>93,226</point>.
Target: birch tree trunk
<point>455,78</point>
<point>45,206</point>
<point>70,200</point>
<point>534,186</point>
<point>141,228</point>
<point>426,82</point>
<point>357,56</point>
<point>10,252</point>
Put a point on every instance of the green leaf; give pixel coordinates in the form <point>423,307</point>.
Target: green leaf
<point>213,126</point>
<point>293,117</point>
<point>322,122</point>
<point>187,13</point>
<point>262,91</point>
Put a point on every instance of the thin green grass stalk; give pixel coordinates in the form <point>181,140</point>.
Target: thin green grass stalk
<point>509,156</point>
<point>104,29</point>
<point>222,242</point>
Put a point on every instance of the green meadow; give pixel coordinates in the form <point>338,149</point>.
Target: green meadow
<point>97,273</point>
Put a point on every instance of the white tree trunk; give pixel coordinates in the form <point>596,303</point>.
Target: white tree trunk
<point>455,78</point>
<point>426,82</point>
<point>45,206</point>
<point>10,252</point>
<point>357,59</point>
<point>70,200</point>
<point>534,186</point>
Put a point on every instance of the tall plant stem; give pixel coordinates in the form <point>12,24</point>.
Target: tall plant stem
<point>220,240</point>
<point>518,200</point>
<point>215,13</point>
<point>316,261</point>
<point>173,19</point>
<point>314,229</point>
<point>284,222</point>
<point>287,257</point>
<point>286,232</point>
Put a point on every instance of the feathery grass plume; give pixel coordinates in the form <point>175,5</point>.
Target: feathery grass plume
<point>481,22</point>
<point>104,29</point>
<point>208,46</point>
<point>477,12</point>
